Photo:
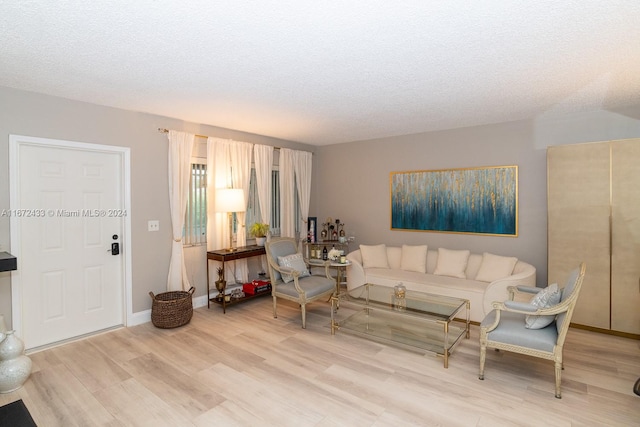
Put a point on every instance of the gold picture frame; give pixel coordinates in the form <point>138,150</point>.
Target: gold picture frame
<point>482,200</point>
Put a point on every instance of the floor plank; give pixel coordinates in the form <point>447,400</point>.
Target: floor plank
<point>245,368</point>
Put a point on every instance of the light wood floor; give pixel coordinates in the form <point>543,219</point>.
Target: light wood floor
<point>247,368</point>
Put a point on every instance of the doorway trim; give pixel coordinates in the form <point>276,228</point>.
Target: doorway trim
<point>15,141</point>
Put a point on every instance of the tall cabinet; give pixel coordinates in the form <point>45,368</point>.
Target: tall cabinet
<point>593,202</point>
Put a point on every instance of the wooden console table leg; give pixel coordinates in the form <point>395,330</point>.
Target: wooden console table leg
<point>208,300</point>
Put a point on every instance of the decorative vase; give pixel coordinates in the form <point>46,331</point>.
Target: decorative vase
<point>260,240</point>
<point>399,293</point>
<point>15,367</point>
<point>3,327</point>
<point>220,285</point>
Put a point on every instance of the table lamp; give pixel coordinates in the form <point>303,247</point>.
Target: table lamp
<point>230,200</point>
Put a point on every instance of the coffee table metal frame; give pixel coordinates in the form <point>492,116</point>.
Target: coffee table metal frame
<point>419,321</point>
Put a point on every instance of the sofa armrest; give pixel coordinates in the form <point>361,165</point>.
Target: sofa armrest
<point>355,271</point>
<point>498,290</point>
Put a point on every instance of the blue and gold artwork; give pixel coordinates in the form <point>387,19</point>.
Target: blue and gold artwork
<point>476,200</point>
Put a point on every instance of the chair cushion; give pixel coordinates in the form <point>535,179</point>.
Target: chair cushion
<point>452,263</point>
<point>494,267</point>
<point>546,298</point>
<point>296,262</point>
<point>511,330</point>
<point>414,258</point>
<point>311,285</point>
<point>374,256</point>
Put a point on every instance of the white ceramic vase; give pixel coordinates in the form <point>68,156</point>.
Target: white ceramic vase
<point>15,367</point>
<point>3,327</point>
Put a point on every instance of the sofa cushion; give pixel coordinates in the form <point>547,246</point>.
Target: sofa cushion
<point>296,262</point>
<point>414,258</point>
<point>494,267</point>
<point>547,297</point>
<point>374,256</point>
<point>452,263</point>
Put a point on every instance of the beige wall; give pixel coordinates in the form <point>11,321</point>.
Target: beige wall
<point>25,113</point>
<point>351,181</point>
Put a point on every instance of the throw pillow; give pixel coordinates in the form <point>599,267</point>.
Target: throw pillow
<point>414,258</point>
<point>452,263</point>
<point>494,267</point>
<point>546,298</point>
<point>296,262</point>
<point>374,256</point>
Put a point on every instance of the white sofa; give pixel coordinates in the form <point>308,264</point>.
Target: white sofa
<point>406,264</point>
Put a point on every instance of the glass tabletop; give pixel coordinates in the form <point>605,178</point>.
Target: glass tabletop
<point>414,303</point>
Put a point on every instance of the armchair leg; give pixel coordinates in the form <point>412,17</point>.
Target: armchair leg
<point>558,379</point>
<point>275,315</point>
<point>304,315</point>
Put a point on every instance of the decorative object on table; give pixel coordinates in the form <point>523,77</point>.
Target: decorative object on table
<point>15,367</point>
<point>256,287</point>
<point>334,230</point>
<point>229,201</point>
<point>237,293</point>
<point>399,297</point>
<point>334,254</point>
<point>473,200</point>
<point>172,309</point>
<point>259,230</point>
<point>221,284</point>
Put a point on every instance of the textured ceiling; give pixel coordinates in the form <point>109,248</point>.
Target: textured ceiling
<point>325,72</point>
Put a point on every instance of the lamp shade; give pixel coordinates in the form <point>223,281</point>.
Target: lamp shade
<point>230,200</point>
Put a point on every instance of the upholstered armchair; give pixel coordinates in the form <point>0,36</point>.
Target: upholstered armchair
<point>291,279</point>
<point>527,328</point>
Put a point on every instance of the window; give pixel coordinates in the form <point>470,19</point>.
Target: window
<point>253,206</point>
<point>195,219</point>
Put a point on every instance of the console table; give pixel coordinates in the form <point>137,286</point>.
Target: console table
<point>224,255</point>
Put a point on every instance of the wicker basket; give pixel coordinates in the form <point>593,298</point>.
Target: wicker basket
<point>172,309</point>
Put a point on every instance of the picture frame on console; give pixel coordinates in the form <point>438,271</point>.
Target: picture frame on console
<point>481,200</point>
<point>312,229</point>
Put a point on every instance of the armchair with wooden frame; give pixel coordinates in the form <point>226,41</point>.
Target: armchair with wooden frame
<point>504,327</point>
<point>298,286</point>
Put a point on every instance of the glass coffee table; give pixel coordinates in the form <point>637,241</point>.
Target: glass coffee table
<point>417,321</point>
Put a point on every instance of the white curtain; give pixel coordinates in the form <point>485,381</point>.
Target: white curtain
<point>228,166</point>
<point>179,170</point>
<point>216,221</point>
<point>302,163</point>
<point>287,188</point>
<point>263,160</point>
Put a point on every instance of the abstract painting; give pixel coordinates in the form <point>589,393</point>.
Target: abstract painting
<point>472,200</point>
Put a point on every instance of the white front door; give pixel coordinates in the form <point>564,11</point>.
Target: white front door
<point>68,211</point>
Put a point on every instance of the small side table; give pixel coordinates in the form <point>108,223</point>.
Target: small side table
<point>341,268</point>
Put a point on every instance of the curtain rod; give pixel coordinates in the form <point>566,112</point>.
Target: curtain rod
<point>164,130</point>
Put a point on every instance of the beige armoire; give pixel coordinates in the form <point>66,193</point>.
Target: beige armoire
<point>594,216</point>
